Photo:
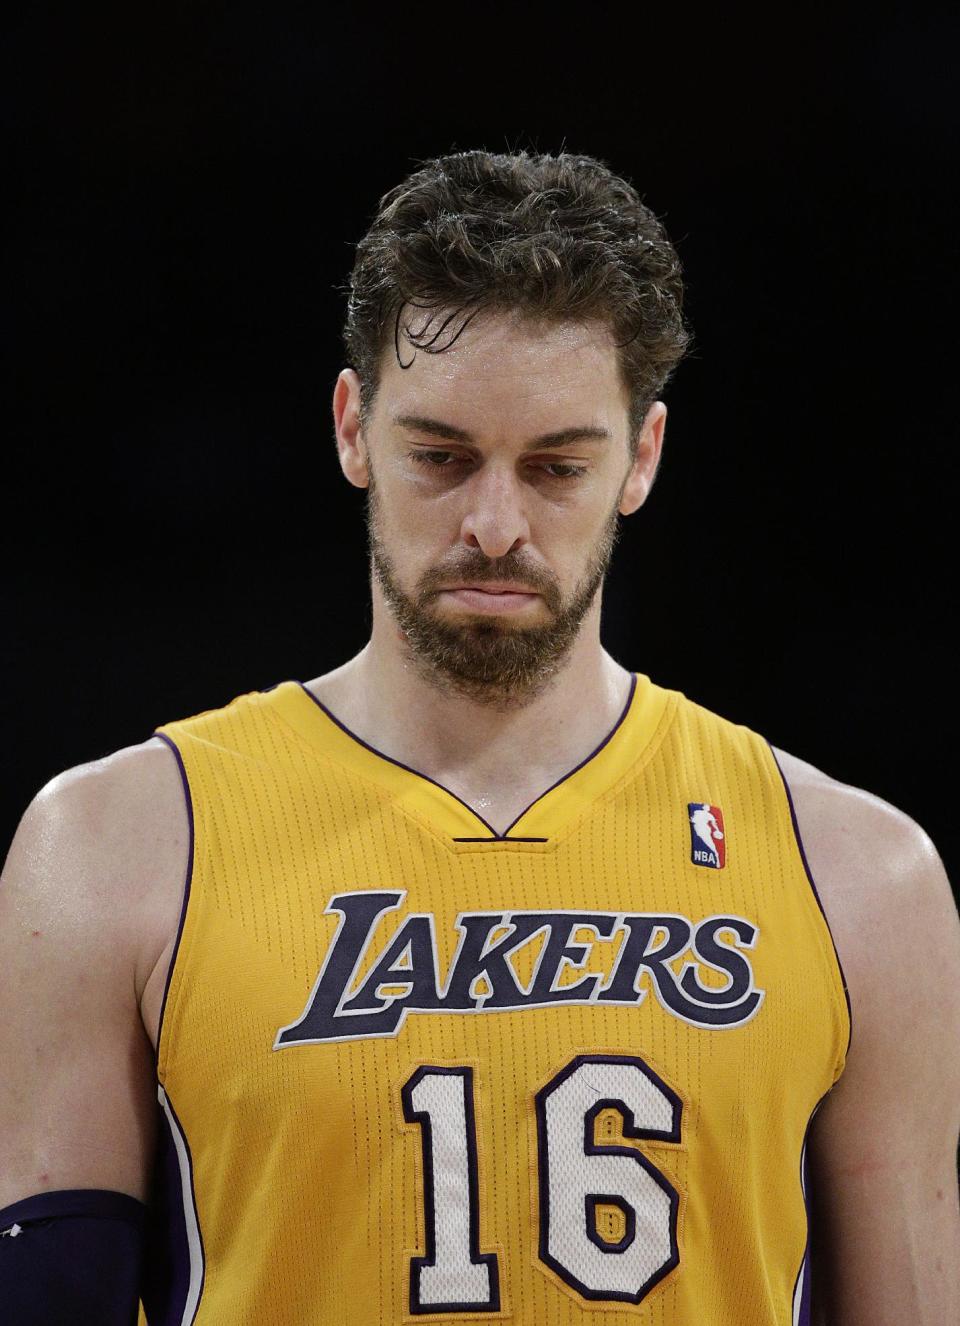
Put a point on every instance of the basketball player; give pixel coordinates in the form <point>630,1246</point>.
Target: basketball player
<point>414,991</point>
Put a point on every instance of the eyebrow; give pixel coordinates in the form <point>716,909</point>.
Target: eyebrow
<point>450,433</point>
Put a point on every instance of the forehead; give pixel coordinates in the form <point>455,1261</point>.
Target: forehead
<point>506,368</point>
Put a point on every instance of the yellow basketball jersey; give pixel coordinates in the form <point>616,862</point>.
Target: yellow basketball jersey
<point>410,1069</point>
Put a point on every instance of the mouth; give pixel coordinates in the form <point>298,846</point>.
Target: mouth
<point>491,597</point>
<point>493,587</point>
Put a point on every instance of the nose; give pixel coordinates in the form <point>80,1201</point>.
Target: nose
<point>495,520</point>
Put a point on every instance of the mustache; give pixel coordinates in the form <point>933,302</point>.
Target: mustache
<point>472,565</point>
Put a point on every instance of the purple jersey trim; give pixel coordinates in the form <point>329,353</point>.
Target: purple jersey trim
<point>802,1288</point>
<point>806,1293</point>
<point>168,1268</point>
<point>813,886</point>
<point>504,839</point>
<point>186,888</point>
<point>593,754</point>
<point>497,837</point>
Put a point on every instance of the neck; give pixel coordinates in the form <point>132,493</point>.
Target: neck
<point>481,751</point>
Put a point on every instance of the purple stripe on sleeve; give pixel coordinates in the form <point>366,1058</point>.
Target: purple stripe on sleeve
<point>809,872</point>
<point>802,1291</point>
<point>174,1264</point>
<point>187,882</point>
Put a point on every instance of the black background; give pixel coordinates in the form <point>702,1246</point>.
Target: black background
<point>186,183</point>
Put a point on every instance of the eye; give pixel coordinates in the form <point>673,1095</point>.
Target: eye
<point>438,460</point>
<point>556,469</point>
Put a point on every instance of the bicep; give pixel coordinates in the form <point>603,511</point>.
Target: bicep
<point>883,1178</point>
<point>77,1108</point>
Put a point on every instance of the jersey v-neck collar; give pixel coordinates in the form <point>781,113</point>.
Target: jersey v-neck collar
<point>643,718</point>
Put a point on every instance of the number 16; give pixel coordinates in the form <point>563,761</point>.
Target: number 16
<point>576,1175</point>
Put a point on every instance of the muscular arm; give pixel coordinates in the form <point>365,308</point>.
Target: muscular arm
<point>84,897</point>
<point>883,1151</point>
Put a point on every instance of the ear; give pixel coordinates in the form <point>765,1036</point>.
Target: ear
<point>643,471</point>
<point>346,421</point>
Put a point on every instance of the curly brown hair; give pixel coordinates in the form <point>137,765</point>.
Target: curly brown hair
<point>560,238</point>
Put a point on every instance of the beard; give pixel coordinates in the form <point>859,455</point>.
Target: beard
<point>487,659</point>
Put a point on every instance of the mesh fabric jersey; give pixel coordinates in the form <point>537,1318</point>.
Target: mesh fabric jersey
<point>412,1069</point>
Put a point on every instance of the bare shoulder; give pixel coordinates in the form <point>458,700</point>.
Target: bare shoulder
<point>883,1146</point>
<point>881,883</point>
<point>91,885</point>
<point>137,782</point>
<point>100,848</point>
<point>889,905</point>
<point>867,858</point>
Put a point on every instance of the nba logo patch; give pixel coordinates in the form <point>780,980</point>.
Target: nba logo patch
<point>708,843</point>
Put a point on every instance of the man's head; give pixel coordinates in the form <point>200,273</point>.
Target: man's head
<point>511,321</point>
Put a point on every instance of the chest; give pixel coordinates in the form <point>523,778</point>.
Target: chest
<point>374,928</point>
<point>411,1030</point>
